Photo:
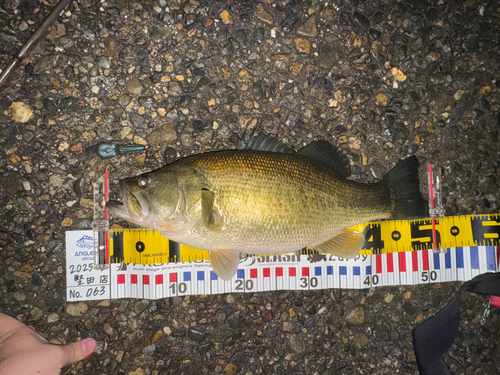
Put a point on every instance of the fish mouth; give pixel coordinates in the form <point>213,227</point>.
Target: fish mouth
<point>134,206</point>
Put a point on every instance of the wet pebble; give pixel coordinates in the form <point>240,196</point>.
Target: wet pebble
<point>196,335</point>
<point>124,100</point>
<point>148,350</point>
<point>360,22</point>
<point>20,112</point>
<point>296,343</point>
<point>261,14</point>
<point>356,316</point>
<point>329,54</point>
<point>103,63</point>
<point>231,369</point>
<point>66,103</point>
<point>163,135</point>
<point>292,119</point>
<point>77,309</point>
<point>36,313</point>
<point>134,87</point>
<point>311,309</point>
<point>360,340</point>
<point>53,318</point>
<point>308,28</point>
<point>136,120</point>
<point>169,155</point>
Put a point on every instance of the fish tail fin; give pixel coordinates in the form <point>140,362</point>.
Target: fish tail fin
<point>404,189</point>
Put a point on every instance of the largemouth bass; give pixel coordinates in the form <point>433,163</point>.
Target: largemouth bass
<point>266,199</point>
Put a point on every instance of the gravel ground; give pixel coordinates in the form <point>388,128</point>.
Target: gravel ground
<point>381,79</point>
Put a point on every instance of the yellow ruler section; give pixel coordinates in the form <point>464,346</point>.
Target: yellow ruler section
<point>144,246</point>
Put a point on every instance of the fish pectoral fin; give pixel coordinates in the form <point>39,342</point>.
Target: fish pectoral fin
<point>211,215</point>
<point>225,262</point>
<point>346,244</point>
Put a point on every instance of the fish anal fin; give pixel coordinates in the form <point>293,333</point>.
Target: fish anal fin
<point>210,214</point>
<point>225,262</point>
<point>346,244</point>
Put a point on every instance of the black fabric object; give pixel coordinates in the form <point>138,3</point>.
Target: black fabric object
<point>433,337</point>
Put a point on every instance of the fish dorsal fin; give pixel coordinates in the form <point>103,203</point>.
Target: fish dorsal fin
<point>225,262</point>
<point>346,244</point>
<point>264,143</point>
<point>329,155</point>
<point>211,216</point>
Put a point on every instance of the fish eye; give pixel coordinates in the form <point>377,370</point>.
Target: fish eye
<point>143,181</point>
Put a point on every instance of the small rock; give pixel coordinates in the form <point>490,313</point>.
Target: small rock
<point>308,28</point>
<point>56,31</point>
<point>409,308</point>
<point>292,119</point>
<point>67,222</point>
<point>485,90</point>
<point>226,17</point>
<point>20,112</point>
<point>43,238</point>
<point>196,335</point>
<point>140,306</point>
<point>281,61</point>
<point>23,26</point>
<point>287,326</point>
<point>302,45</point>
<point>311,309</point>
<point>398,74</point>
<point>76,309</point>
<point>433,57</point>
<point>329,54</point>
<point>136,120</point>
<point>108,329</point>
<point>164,135</point>
<point>53,318</point>
<point>360,22</point>
<point>36,279</point>
<point>158,335</point>
<point>296,68</point>
<point>134,87</point>
<point>148,350</point>
<point>20,296</point>
<point>458,94</point>
<point>382,99</point>
<point>124,100</point>
<point>296,343</point>
<point>111,48</point>
<point>262,15</point>
<point>360,340</point>
<point>103,63</point>
<point>36,313</point>
<point>356,316</point>
<point>231,369</point>
<point>169,155</point>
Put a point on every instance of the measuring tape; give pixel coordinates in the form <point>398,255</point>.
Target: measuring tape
<point>145,246</point>
<point>85,281</point>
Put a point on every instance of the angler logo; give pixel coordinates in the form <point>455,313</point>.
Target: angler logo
<point>86,242</point>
